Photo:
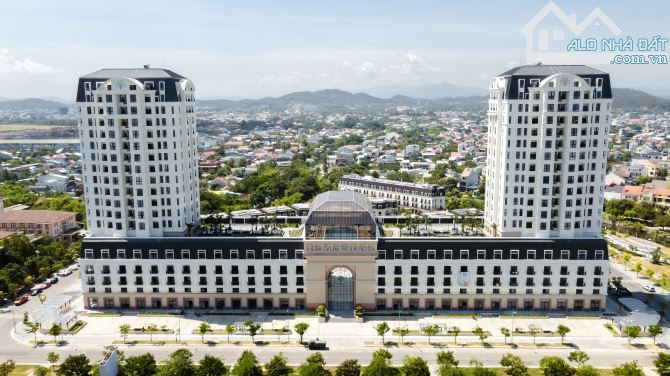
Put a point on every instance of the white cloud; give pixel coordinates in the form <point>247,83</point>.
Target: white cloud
<point>13,65</point>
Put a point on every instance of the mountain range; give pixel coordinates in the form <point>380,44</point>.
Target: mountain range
<point>334,100</point>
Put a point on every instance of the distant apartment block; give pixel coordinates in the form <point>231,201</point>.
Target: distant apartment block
<point>38,222</point>
<point>547,151</point>
<point>408,195</point>
<point>139,152</point>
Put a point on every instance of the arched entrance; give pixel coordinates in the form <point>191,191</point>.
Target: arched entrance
<point>340,289</point>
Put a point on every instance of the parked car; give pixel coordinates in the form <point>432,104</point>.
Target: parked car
<point>64,272</point>
<point>45,285</point>
<point>622,291</point>
<point>53,280</point>
<point>35,290</point>
<point>5,309</point>
<point>21,299</point>
<point>649,288</point>
<point>317,344</point>
<point>74,266</point>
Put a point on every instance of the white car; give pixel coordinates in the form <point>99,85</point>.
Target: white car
<point>5,309</point>
<point>649,288</point>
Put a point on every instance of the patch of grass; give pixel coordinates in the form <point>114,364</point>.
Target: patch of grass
<point>387,314</point>
<point>105,313</point>
<point>612,329</point>
<point>79,325</point>
<point>160,314</point>
<point>22,370</point>
<point>457,314</point>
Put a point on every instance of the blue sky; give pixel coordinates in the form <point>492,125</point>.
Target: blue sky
<point>264,48</point>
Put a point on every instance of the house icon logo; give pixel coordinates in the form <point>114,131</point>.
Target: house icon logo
<point>550,31</point>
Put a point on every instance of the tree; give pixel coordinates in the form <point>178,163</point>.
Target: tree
<point>579,357</point>
<point>402,332</point>
<point>140,365</point>
<point>454,331</point>
<point>40,371</point>
<point>247,365</point>
<point>53,358</point>
<point>349,367</point>
<point>626,259</point>
<point>649,273</point>
<point>513,365</point>
<point>562,330</point>
<point>505,332</point>
<point>75,365</point>
<point>448,365</point>
<point>152,329</point>
<point>301,328</point>
<point>33,328</point>
<point>628,369</point>
<point>124,330</point>
<point>431,330</point>
<point>7,367</point>
<point>632,332</point>
<point>381,365</point>
<point>211,366</point>
<point>55,331</point>
<point>656,253</point>
<point>277,366</point>
<point>477,369</point>
<point>587,371</point>
<point>662,363</point>
<point>655,330</point>
<point>253,329</point>
<point>415,366</point>
<point>534,330</point>
<point>203,328</point>
<point>555,366</point>
<point>637,267</point>
<point>179,363</point>
<point>313,366</point>
<point>230,329</point>
<point>481,333</point>
<point>382,328</point>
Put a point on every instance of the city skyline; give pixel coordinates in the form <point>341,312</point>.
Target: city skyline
<point>261,49</point>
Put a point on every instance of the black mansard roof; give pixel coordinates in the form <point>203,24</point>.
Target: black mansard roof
<point>390,245</point>
<point>153,75</point>
<point>541,71</point>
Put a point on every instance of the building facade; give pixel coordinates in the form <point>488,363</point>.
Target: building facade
<point>139,152</point>
<point>343,260</point>
<point>51,223</point>
<point>408,195</point>
<point>547,151</point>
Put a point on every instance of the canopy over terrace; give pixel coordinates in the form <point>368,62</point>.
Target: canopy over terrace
<point>56,309</point>
<point>636,313</point>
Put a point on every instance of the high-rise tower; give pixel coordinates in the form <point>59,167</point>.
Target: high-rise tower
<point>139,152</point>
<point>547,151</point>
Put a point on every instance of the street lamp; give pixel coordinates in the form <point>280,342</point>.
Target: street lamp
<point>512,333</point>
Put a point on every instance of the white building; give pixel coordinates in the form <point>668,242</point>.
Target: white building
<point>408,195</point>
<point>139,152</point>
<point>547,151</point>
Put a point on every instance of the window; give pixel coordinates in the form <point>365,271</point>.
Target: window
<point>497,254</point>
<point>447,254</point>
<point>381,254</point>
<point>464,254</point>
<point>599,254</point>
<point>514,254</point>
<point>121,253</point>
<point>169,253</point>
<point>218,254</point>
<point>481,254</point>
<point>565,254</point>
<point>547,254</point>
<point>251,254</point>
<point>397,254</point>
<point>415,254</point>
<point>234,254</point>
<point>137,253</point>
<point>299,254</point>
<point>153,253</point>
<point>531,254</point>
<point>267,254</point>
<point>202,254</point>
<point>104,253</point>
<point>283,254</point>
<point>185,254</point>
<point>431,254</point>
<point>581,254</point>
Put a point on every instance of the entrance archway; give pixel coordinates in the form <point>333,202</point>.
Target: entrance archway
<point>340,289</point>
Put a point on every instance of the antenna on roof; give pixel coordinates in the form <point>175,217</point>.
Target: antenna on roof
<point>538,63</point>
<point>146,66</point>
